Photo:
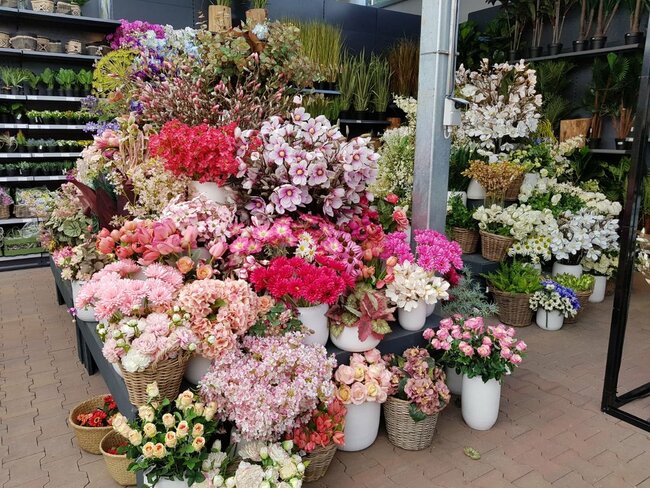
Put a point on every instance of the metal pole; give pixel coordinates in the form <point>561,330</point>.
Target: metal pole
<point>431,172</point>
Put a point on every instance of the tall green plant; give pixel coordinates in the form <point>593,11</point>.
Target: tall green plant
<point>608,76</point>
<point>404,62</point>
<point>605,12</point>
<point>363,83</point>
<point>552,79</point>
<point>517,15</point>
<point>587,12</point>
<point>557,11</point>
<point>321,44</point>
<point>381,81</point>
<point>624,97</point>
<point>347,81</point>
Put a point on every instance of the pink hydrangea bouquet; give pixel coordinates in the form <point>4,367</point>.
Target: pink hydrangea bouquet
<point>365,379</point>
<point>302,164</point>
<point>218,313</point>
<point>416,378</point>
<point>269,386</point>
<point>474,349</point>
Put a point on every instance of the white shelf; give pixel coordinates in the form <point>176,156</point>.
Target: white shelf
<point>20,179</point>
<point>22,256</point>
<point>42,126</point>
<point>15,155</point>
<point>44,155</point>
<point>40,98</point>
<point>14,126</point>
<point>15,220</point>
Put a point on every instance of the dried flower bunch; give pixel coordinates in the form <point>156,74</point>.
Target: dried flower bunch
<point>494,177</point>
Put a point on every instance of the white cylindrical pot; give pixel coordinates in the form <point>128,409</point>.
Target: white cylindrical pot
<point>361,426</point>
<point>197,366</point>
<point>348,340</point>
<point>549,319</point>
<point>530,179</point>
<point>87,314</point>
<point>480,402</point>
<point>600,285</point>
<point>572,269</point>
<point>211,191</point>
<point>461,194</point>
<point>414,319</point>
<point>454,381</point>
<point>167,483</point>
<point>430,308</point>
<point>314,319</point>
<point>475,191</point>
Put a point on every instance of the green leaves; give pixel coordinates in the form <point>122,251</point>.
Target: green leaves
<point>515,278</point>
<point>416,414</point>
<point>472,453</point>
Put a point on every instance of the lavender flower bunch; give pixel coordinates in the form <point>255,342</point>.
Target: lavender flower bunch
<point>554,296</point>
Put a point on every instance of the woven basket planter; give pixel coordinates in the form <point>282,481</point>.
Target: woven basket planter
<point>167,373</point>
<point>42,43</point>
<point>54,47</point>
<point>88,438</point>
<point>73,47</point>
<point>514,308</point>
<point>4,39</point>
<point>467,239</point>
<point>4,212</point>
<point>22,211</point>
<point>319,462</point>
<point>116,464</point>
<point>512,193</point>
<point>494,247</point>
<point>63,8</point>
<point>27,43</point>
<point>583,299</point>
<point>75,9</point>
<point>43,5</point>
<point>403,431</point>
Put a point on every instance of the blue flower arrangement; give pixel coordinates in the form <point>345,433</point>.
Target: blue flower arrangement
<point>554,296</point>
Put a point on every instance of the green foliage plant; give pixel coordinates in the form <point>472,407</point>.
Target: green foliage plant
<point>515,277</point>
<point>459,215</point>
<point>577,284</point>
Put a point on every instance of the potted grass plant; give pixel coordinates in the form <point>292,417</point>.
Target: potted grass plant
<point>381,86</point>
<point>346,84</point>
<point>257,13</point>
<point>363,87</point>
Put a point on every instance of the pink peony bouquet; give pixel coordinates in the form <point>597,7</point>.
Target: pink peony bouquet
<point>474,349</point>
<point>365,379</point>
<point>303,164</point>
<point>219,312</point>
<point>269,386</point>
<point>416,379</point>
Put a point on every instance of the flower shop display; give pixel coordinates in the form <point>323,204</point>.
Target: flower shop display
<point>5,202</point>
<point>495,224</point>
<point>553,303</point>
<point>483,355</point>
<point>496,179</point>
<point>461,226</point>
<point>362,386</point>
<point>512,286</point>
<point>91,420</point>
<point>582,286</point>
<point>117,464</point>
<point>169,439</point>
<point>286,376</point>
<point>319,437</point>
<point>603,269</point>
<point>418,393</point>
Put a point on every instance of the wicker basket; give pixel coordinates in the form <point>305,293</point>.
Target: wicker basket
<point>54,47</point>
<point>43,5</point>
<point>75,9</point>
<point>319,462</point>
<point>512,193</point>
<point>583,299</point>
<point>514,308</point>
<point>88,438</point>
<point>42,43</point>
<point>4,212</point>
<point>219,18</point>
<point>494,247</point>
<point>73,47</point>
<point>116,464</point>
<point>27,43</point>
<point>4,39</point>
<point>167,373</point>
<point>403,431</point>
<point>63,8</point>
<point>22,211</point>
<point>467,239</point>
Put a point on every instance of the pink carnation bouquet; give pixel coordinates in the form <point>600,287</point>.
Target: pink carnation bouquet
<point>270,386</point>
<point>474,349</point>
<point>365,379</point>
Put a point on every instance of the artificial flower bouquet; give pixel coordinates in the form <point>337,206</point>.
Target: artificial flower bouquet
<point>101,416</point>
<point>5,198</point>
<point>366,379</point>
<point>81,261</point>
<point>324,428</point>
<point>411,285</point>
<point>606,264</point>
<point>169,439</point>
<point>555,297</point>
<point>66,224</point>
<point>274,319</point>
<point>393,215</point>
<point>496,177</point>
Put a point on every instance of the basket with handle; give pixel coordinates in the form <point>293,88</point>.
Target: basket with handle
<point>26,43</point>
<point>583,299</point>
<point>467,239</point>
<point>168,373</point>
<point>319,462</point>
<point>512,192</point>
<point>514,308</point>
<point>117,465</point>
<point>88,438</point>
<point>494,247</point>
<point>403,431</point>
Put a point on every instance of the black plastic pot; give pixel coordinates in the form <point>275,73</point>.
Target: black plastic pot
<point>634,38</point>
<point>3,171</point>
<point>11,172</point>
<point>16,90</point>
<point>619,144</point>
<point>69,92</point>
<point>512,56</point>
<point>598,42</point>
<point>4,118</point>
<point>37,172</point>
<point>579,46</point>
<point>554,49</point>
<point>629,140</point>
<point>594,143</point>
<point>49,92</point>
<point>534,51</point>
<point>52,148</point>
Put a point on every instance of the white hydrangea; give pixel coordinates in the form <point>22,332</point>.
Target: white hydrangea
<point>134,361</point>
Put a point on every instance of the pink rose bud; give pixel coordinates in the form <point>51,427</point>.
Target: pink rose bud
<point>391,198</point>
<point>218,249</point>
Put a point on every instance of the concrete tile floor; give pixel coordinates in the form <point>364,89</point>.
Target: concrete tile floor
<point>550,430</point>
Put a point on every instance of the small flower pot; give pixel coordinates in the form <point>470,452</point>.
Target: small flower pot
<point>634,38</point>
<point>467,239</point>
<point>554,49</point>
<point>534,51</point>
<point>619,144</point>
<point>210,190</point>
<point>572,269</point>
<point>219,18</point>
<point>413,319</point>
<point>579,46</point>
<point>117,465</point>
<point>197,367</point>
<point>600,285</point>
<point>454,381</point>
<point>256,16</point>
<point>361,426</point>
<point>167,483</point>
<point>403,431</point>
<point>598,42</point>
<point>319,462</point>
<point>480,402</point>
<point>314,319</point>
<point>549,319</point>
<point>475,191</point>
<point>348,340</point>
<point>87,314</point>
<point>88,438</point>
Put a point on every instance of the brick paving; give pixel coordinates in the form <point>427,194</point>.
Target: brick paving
<point>550,431</point>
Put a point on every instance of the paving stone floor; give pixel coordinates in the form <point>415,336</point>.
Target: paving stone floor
<point>550,431</point>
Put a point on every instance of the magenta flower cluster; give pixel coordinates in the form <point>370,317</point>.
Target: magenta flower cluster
<point>130,34</point>
<point>436,253</point>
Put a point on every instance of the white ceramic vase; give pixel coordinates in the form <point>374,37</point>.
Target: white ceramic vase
<point>461,194</point>
<point>549,319</point>
<point>430,308</point>
<point>475,191</point>
<point>211,191</point>
<point>361,426</point>
<point>454,381</point>
<point>480,402</point>
<point>167,483</point>
<point>348,340</point>
<point>413,319</point>
<point>572,269</point>
<point>197,366</point>
<point>87,314</point>
<point>600,285</point>
<point>314,318</point>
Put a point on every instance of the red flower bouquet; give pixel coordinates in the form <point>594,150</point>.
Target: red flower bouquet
<point>202,153</point>
<point>325,426</point>
<point>100,417</point>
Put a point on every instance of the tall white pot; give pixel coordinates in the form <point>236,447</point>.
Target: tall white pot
<point>572,269</point>
<point>167,483</point>
<point>197,366</point>
<point>413,319</point>
<point>211,191</point>
<point>549,319</point>
<point>454,381</point>
<point>600,284</point>
<point>361,426</point>
<point>348,340</point>
<point>87,314</point>
<point>314,318</point>
<point>475,191</point>
<point>480,402</point>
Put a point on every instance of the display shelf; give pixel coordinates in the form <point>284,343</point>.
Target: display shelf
<point>4,259</point>
<point>19,220</point>
<point>21,179</point>
<point>39,98</point>
<point>620,152</point>
<point>81,22</point>
<point>366,122</point>
<point>14,126</point>
<point>318,91</point>
<point>15,155</point>
<point>45,56</point>
<point>588,53</point>
<point>39,155</point>
<point>42,126</point>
